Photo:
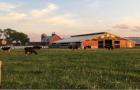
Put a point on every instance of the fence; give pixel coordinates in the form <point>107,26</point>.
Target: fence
<point>0,72</point>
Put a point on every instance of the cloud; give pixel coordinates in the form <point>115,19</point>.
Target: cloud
<point>13,16</point>
<point>47,19</point>
<point>129,20</point>
<point>94,4</point>
<point>61,20</point>
<point>130,24</point>
<point>121,26</point>
<point>6,6</point>
<point>136,29</point>
<point>100,21</point>
<point>39,13</point>
<point>65,20</point>
<point>127,26</point>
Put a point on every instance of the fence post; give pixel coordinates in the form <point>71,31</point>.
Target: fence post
<point>0,71</point>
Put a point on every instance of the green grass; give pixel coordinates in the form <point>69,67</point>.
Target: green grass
<point>66,69</point>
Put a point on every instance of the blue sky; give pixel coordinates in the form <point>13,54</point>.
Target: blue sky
<point>68,17</point>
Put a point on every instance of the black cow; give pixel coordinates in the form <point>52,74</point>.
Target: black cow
<point>37,47</point>
<point>73,47</point>
<point>6,49</point>
<point>30,50</point>
<point>87,47</point>
<point>109,47</point>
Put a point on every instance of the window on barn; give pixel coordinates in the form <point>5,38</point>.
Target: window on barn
<point>117,44</point>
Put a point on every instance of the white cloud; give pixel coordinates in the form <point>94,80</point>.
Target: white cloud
<point>39,13</point>
<point>131,21</point>
<point>93,4</point>
<point>13,16</point>
<point>65,20</point>
<point>6,6</point>
<point>37,16</point>
<point>41,20</point>
<point>127,26</point>
<point>121,26</point>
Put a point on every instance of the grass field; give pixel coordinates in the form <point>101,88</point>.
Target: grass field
<point>64,69</point>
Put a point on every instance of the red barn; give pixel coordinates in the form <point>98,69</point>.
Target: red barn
<point>48,40</point>
<point>54,38</point>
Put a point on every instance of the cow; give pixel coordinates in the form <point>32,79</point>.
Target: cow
<point>73,47</point>
<point>30,50</point>
<point>8,49</point>
<point>37,47</point>
<point>86,47</point>
<point>109,47</point>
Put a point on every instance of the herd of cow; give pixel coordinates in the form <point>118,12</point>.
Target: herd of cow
<point>75,47</point>
<point>28,50</point>
<point>32,50</point>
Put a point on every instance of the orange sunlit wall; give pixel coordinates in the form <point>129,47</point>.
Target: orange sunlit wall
<point>95,43</point>
<point>92,43</point>
<point>124,43</point>
<point>130,44</point>
<point>127,44</point>
<point>87,43</point>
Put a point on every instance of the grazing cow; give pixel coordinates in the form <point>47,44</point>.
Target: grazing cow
<point>30,50</point>
<point>87,47</point>
<point>37,47</point>
<point>73,47</point>
<point>6,49</point>
<point>109,47</point>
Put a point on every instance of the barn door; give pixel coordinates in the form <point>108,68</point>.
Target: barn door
<point>100,44</point>
<point>108,42</point>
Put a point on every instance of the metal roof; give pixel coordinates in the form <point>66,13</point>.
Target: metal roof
<point>136,39</point>
<point>89,34</point>
<point>77,39</point>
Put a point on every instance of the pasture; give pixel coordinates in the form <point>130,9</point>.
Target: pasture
<point>64,69</point>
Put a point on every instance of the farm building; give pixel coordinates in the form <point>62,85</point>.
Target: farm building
<point>46,40</point>
<point>4,42</point>
<point>136,39</point>
<point>95,40</point>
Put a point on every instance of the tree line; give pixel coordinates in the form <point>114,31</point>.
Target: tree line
<point>14,35</point>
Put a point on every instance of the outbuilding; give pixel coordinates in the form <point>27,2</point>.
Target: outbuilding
<point>95,40</point>
<point>4,42</point>
<point>136,39</point>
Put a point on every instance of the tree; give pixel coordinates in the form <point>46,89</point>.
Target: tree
<point>13,35</point>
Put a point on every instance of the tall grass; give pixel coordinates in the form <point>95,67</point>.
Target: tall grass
<point>66,69</point>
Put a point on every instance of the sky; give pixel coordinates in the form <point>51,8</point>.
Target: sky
<point>70,17</point>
